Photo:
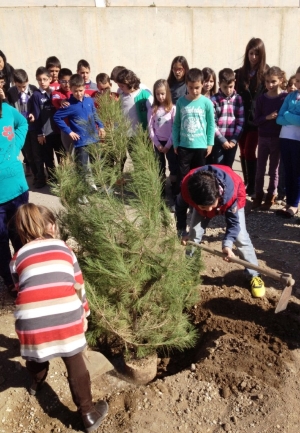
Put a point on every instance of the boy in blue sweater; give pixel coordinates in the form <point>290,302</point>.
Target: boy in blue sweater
<point>83,120</point>
<point>45,136</point>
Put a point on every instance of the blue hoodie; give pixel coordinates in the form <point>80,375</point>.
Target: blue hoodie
<point>83,119</point>
<point>13,130</point>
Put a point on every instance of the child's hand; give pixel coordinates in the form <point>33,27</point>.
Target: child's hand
<point>165,150</point>
<point>209,150</point>
<point>272,115</point>
<point>226,145</point>
<point>31,118</point>
<point>85,324</point>
<point>176,150</point>
<point>64,103</point>
<point>74,136</point>
<point>2,94</point>
<point>101,133</point>
<point>229,253</point>
<point>161,149</point>
<point>41,139</point>
<point>231,145</point>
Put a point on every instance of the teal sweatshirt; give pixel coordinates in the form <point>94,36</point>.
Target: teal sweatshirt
<point>13,129</point>
<point>194,123</point>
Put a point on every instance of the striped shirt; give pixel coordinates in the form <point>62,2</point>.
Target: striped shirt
<point>49,313</point>
<point>229,117</point>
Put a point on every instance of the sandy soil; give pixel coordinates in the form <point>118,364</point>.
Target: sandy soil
<point>243,376</point>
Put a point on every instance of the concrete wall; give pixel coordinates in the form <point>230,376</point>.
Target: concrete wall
<point>146,39</point>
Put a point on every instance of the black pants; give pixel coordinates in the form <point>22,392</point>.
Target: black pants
<point>189,159</point>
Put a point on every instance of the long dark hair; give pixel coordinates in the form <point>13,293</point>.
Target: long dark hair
<point>8,73</point>
<point>179,59</point>
<point>258,46</point>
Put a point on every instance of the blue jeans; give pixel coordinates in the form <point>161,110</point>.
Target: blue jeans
<point>7,212</point>
<point>243,242</point>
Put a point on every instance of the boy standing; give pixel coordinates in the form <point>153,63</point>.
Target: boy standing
<point>217,190</point>
<point>229,118</point>
<point>84,69</point>
<point>194,126</point>
<point>45,136</point>
<point>18,96</point>
<point>53,65</point>
<point>60,99</point>
<point>82,119</point>
<point>104,86</point>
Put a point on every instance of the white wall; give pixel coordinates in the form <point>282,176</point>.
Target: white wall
<point>146,39</point>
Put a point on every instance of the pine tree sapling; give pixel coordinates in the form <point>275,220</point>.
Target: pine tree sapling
<point>139,283</point>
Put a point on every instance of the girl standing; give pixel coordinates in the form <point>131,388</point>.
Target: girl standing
<point>289,118</point>
<point>50,316</point>
<point>250,84</point>
<point>209,83</point>
<point>266,112</point>
<point>176,79</point>
<point>161,119</point>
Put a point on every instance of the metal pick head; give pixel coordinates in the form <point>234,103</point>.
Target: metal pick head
<point>284,299</point>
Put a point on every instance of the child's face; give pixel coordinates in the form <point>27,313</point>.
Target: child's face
<point>194,89</point>
<point>125,89</point>
<point>227,89</point>
<point>65,83</point>
<point>2,82</point>
<point>295,85</point>
<point>54,70</point>
<point>178,71</point>
<point>292,86</point>
<point>208,84</point>
<point>253,58</point>
<point>78,92</point>
<point>103,87</point>
<point>209,207</point>
<point>85,73</point>
<point>272,82</point>
<point>161,94</point>
<point>44,81</point>
<point>21,87</point>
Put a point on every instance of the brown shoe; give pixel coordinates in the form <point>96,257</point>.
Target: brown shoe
<point>269,201</point>
<point>94,418</point>
<point>257,201</point>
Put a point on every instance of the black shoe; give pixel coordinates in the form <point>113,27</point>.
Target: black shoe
<point>35,387</point>
<point>93,419</point>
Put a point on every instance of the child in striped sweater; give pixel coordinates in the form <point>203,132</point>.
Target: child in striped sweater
<point>50,316</point>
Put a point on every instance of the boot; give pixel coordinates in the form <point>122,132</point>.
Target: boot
<point>257,201</point>
<point>92,415</point>
<point>251,173</point>
<point>269,201</point>
<point>244,170</point>
<point>38,378</point>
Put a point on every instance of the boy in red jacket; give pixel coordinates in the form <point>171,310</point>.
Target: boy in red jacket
<point>217,190</point>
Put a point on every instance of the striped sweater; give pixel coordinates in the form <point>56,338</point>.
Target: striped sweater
<point>49,314</point>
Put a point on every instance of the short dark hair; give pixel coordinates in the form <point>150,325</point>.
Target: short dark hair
<point>194,75</point>
<point>53,61</point>
<point>42,71</point>
<point>103,78</point>
<point>226,75</point>
<point>76,80</point>
<point>20,76</point>
<point>63,72</point>
<point>114,73</point>
<point>203,188</point>
<point>83,64</point>
<point>128,78</point>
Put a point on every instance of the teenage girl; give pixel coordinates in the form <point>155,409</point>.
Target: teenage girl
<point>161,119</point>
<point>50,316</point>
<point>250,84</point>
<point>176,79</point>
<point>209,85</point>
<point>266,112</point>
<point>289,118</point>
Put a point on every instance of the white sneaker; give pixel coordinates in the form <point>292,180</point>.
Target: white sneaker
<point>94,187</point>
